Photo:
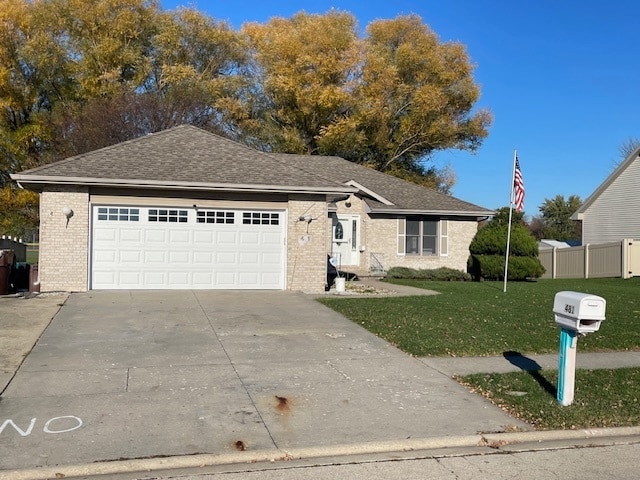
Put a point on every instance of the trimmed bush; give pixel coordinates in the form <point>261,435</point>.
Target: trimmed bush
<point>441,274</point>
<point>492,240</point>
<point>491,267</point>
<point>488,249</point>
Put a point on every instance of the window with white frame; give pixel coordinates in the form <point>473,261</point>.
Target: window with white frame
<point>422,236</point>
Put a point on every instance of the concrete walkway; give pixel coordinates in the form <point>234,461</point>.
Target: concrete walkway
<point>374,287</point>
<point>22,321</point>
<point>515,362</point>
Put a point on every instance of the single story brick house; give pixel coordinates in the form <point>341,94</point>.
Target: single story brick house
<point>188,209</point>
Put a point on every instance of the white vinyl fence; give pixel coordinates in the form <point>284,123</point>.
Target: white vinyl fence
<point>616,259</point>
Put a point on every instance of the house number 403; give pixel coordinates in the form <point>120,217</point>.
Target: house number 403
<point>571,309</point>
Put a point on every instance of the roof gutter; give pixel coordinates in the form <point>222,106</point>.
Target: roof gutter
<point>34,180</point>
<point>454,213</point>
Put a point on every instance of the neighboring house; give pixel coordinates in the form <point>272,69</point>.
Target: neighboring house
<point>612,212</point>
<point>187,209</point>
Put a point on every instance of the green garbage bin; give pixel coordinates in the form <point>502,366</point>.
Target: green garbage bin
<point>6,263</point>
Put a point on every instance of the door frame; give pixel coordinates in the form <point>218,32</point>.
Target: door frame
<point>346,251</point>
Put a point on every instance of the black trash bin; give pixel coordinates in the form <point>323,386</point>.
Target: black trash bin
<point>6,264</point>
<point>20,277</point>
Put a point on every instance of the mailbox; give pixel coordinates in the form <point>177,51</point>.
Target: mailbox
<point>580,312</point>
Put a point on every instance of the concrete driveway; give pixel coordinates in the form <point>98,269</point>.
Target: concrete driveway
<point>140,374</point>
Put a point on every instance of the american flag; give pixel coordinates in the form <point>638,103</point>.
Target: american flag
<point>518,186</point>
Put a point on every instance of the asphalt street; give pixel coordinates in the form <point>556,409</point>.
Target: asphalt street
<point>613,462</point>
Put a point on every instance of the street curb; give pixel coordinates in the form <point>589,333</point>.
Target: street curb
<point>493,440</point>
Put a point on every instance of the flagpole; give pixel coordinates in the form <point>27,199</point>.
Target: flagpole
<point>511,199</point>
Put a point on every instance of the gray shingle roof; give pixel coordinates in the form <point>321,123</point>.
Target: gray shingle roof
<point>404,195</point>
<point>188,157</point>
<point>179,156</point>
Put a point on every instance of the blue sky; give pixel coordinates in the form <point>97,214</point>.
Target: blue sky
<point>560,78</point>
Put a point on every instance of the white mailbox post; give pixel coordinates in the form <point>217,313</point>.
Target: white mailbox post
<point>576,314</point>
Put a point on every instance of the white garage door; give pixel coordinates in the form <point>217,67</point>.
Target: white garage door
<point>186,248</point>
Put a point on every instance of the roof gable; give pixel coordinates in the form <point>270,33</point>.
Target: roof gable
<point>604,186</point>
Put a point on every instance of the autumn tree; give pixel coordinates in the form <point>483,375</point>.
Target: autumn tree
<point>19,213</point>
<point>415,97</point>
<point>76,76</point>
<point>198,58</point>
<point>304,68</point>
<point>388,100</point>
<point>193,77</point>
<point>32,79</point>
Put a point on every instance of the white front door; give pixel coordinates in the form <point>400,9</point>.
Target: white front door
<point>345,239</point>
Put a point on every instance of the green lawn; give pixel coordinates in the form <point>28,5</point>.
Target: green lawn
<point>33,252</point>
<point>603,398</point>
<point>479,319</point>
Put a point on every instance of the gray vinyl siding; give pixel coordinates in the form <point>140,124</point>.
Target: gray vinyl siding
<point>615,214</point>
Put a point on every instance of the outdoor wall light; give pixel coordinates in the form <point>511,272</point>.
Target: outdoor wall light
<point>68,213</point>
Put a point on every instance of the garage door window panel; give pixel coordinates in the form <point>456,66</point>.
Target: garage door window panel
<point>216,216</point>
<point>260,218</point>
<point>168,216</point>
<point>114,214</point>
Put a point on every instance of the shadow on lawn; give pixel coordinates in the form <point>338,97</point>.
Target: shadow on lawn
<point>533,368</point>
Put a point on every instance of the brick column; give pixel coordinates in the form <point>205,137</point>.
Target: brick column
<point>64,245</point>
<point>306,246</point>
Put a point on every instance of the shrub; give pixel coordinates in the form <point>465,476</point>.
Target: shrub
<point>441,274</point>
<point>488,249</point>
<point>491,267</point>
<point>492,240</point>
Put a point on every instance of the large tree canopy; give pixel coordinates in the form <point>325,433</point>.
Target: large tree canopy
<point>388,100</point>
<point>76,76</point>
<point>303,73</point>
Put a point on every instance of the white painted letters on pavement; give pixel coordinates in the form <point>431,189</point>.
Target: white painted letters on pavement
<point>66,423</point>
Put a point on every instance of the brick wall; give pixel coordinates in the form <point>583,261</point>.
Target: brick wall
<point>64,247</point>
<point>306,245</point>
<point>382,238</point>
